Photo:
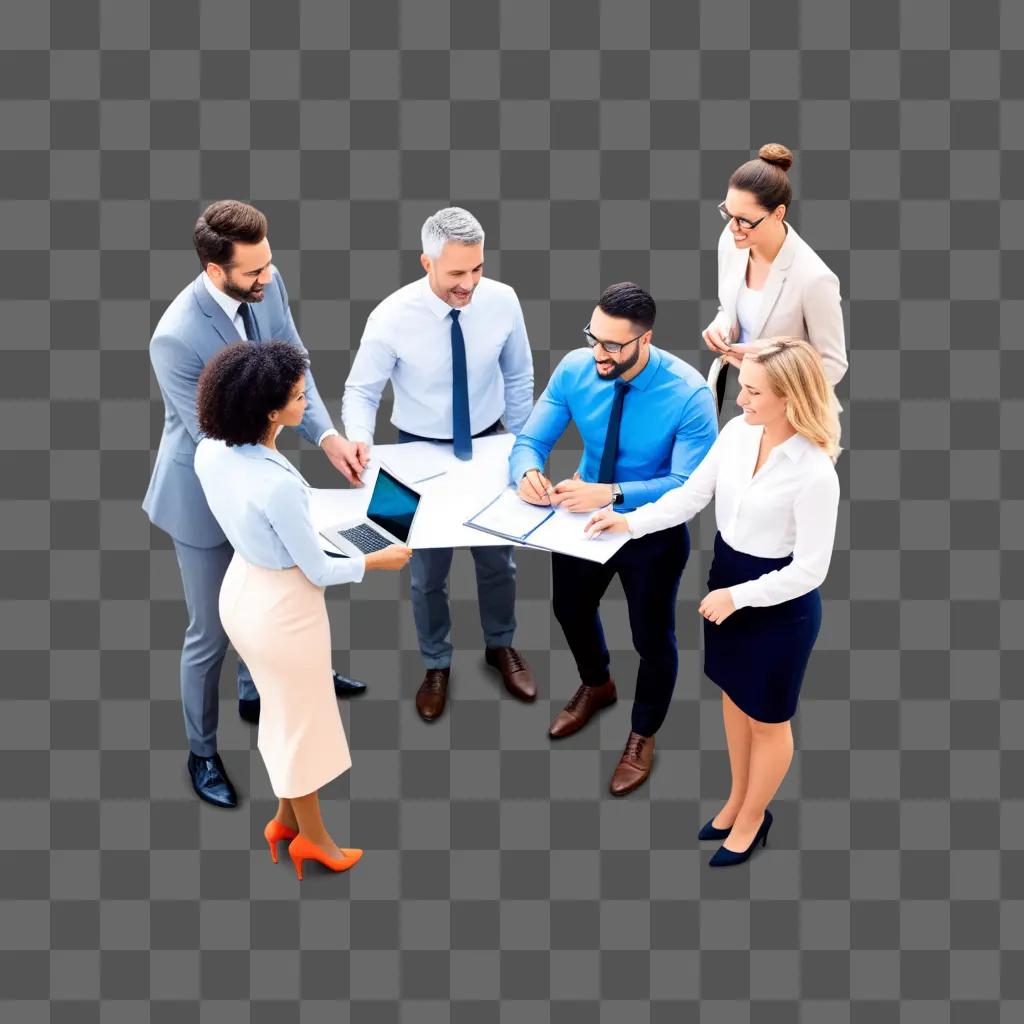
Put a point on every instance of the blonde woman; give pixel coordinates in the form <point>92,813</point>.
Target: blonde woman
<point>771,472</point>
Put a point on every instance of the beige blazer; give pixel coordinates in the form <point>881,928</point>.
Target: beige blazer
<point>801,299</point>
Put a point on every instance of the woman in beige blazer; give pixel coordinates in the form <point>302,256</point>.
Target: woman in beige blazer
<point>771,283</point>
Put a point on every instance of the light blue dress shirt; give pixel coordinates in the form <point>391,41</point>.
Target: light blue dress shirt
<point>261,502</point>
<point>669,422</point>
<point>407,340</point>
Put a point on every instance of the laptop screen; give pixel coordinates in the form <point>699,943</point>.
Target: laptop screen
<point>392,505</point>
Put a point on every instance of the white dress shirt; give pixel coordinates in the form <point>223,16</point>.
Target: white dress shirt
<point>262,504</point>
<point>407,340</point>
<point>231,309</point>
<point>789,507</point>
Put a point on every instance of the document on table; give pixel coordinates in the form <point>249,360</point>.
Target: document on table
<point>509,516</point>
<point>418,461</point>
<point>538,526</point>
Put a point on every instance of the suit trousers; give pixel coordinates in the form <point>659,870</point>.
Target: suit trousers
<point>650,569</point>
<point>206,643</point>
<point>495,587</point>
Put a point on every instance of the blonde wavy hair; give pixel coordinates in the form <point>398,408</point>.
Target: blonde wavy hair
<point>795,372</point>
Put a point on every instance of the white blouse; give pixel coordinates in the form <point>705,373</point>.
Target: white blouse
<point>748,303</point>
<point>789,507</point>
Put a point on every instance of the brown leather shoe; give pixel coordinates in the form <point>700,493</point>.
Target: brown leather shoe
<point>515,673</point>
<point>635,764</point>
<point>585,703</point>
<point>431,695</point>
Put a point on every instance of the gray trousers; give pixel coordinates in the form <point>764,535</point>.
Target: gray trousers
<point>206,643</point>
<point>496,594</point>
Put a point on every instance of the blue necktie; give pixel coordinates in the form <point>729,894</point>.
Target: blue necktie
<point>252,332</point>
<point>606,474</point>
<point>462,435</point>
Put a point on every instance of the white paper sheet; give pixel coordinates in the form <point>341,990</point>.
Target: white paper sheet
<point>563,533</point>
<point>510,516</point>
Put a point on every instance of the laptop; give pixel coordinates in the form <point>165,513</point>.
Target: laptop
<point>388,520</point>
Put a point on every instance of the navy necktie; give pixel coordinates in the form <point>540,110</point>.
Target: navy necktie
<point>252,332</point>
<point>462,435</point>
<point>606,474</point>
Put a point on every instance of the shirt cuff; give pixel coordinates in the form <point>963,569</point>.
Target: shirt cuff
<point>358,434</point>
<point>741,594</point>
<point>331,432</point>
<point>359,565</point>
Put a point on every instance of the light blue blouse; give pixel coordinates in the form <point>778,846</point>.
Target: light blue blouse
<point>261,502</point>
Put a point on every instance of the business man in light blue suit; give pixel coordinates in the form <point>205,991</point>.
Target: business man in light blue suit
<point>238,296</point>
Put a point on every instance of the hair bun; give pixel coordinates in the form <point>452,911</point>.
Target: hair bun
<point>777,154</point>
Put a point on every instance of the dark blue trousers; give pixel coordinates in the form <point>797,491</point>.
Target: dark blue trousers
<point>650,570</point>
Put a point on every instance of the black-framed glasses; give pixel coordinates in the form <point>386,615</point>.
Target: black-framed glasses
<point>746,225</point>
<point>611,347</point>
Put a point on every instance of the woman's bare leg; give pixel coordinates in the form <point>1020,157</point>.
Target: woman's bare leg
<point>737,739</point>
<point>311,823</point>
<point>285,814</point>
<point>771,753</point>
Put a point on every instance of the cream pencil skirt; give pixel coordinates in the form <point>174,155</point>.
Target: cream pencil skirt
<point>277,621</point>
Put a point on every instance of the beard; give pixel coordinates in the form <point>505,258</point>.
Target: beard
<point>618,369</point>
<point>253,294</point>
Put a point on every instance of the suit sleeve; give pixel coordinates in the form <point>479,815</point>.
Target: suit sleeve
<point>823,315</point>
<point>177,368</point>
<point>317,419</point>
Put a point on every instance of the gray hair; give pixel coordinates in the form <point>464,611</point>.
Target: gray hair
<point>452,224</point>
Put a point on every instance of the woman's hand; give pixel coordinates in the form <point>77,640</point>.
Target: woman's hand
<point>606,520</point>
<point>717,606</point>
<point>716,338</point>
<point>394,556</point>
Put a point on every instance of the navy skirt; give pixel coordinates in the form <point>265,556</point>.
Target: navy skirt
<point>758,656</point>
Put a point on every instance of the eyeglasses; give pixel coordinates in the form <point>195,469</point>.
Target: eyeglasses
<point>746,225</point>
<point>611,347</point>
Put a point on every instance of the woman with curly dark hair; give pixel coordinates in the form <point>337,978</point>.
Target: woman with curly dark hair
<point>272,599</point>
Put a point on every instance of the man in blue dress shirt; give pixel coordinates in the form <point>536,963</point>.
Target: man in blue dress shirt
<point>238,295</point>
<point>646,419</point>
<point>454,346</point>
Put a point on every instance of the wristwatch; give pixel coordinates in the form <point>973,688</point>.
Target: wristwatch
<point>617,498</point>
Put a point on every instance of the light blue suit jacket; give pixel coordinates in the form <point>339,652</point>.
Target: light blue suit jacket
<point>189,333</point>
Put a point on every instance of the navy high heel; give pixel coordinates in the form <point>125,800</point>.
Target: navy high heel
<point>710,832</point>
<point>725,858</point>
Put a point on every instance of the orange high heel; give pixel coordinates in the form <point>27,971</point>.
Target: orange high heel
<point>301,849</point>
<point>274,833</point>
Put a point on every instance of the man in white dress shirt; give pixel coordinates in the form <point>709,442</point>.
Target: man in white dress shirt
<point>454,346</point>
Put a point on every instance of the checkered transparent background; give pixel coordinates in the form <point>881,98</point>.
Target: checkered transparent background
<point>502,883</point>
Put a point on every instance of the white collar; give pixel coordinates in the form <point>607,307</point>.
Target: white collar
<point>437,306</point>
<point>228,304</point>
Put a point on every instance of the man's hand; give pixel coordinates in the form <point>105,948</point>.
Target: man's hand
<point>576,496</point>
<point>349,458</point>
<point>535,488</point>
<point>717,606</point>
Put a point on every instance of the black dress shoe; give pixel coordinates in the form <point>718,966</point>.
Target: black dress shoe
<point>345,687</point>
<point>249,710</point>
<point>210,780</point>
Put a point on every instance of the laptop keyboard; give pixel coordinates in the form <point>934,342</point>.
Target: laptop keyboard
<point>365,538</point>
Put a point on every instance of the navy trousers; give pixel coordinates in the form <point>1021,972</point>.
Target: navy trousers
<point>650,570</point>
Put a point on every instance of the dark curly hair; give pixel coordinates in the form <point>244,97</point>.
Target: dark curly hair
<point>242,385</point>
